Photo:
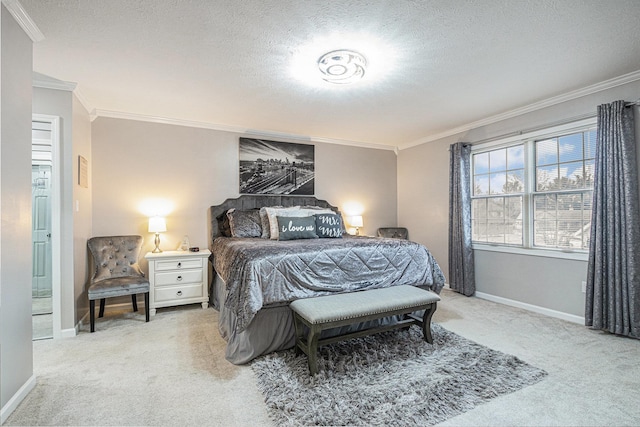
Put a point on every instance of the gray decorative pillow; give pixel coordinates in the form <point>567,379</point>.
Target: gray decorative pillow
<point>292,228</point>
<point>313,210</point>
<point>328,225</point>
<point>272,213</point>
<point>223,224</point>
<point>244,223</point>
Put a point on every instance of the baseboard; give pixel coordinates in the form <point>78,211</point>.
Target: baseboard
<point>530,307</point>
<point>69,333</point>
<point>13,403</point>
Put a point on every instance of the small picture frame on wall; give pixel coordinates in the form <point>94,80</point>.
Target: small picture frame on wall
<point>83,172</point>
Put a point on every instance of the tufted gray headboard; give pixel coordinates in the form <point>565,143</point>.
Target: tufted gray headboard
<point>253,201</point>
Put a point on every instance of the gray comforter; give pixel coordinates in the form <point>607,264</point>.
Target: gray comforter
<point>260,272</point>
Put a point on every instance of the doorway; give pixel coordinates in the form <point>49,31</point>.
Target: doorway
<point>44,186</point>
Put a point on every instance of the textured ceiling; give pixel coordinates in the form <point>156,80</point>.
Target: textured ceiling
<point>434,65</point>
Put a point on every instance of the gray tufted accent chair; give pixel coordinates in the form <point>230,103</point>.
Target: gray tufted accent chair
<point>116,272</point>
<point>393,232</point>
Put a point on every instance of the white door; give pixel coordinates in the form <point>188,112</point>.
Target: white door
<point>41,230</point>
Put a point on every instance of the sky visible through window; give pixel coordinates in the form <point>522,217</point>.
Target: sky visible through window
<point>566,162</point>
<point>499,171</point>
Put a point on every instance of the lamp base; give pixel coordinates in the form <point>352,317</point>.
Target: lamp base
<point>157,242</point>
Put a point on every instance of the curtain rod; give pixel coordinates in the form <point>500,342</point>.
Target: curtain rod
<point>632,103</point>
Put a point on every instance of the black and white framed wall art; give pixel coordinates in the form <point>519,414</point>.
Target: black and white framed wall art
<point>271,167</point>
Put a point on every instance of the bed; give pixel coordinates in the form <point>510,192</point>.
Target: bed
<point>256,278</point>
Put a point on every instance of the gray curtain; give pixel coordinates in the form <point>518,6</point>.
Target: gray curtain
<point>613,278</point>
<point>461,270</point>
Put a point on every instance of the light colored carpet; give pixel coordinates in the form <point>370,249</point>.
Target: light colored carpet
<point>172,371</point>
<point>393,378</point>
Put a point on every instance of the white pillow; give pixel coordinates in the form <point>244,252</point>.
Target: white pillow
<point>273,213</point>
<point>310,211</point>
<point>264,222</point>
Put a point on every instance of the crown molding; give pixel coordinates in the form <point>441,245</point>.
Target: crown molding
<point>233,129</point>
<point>569,96</point>
<point>24,20</point>
<point>83,100</point>
<point>44,83</point>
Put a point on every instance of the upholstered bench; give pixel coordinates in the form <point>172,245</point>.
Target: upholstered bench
<point>333,311</point>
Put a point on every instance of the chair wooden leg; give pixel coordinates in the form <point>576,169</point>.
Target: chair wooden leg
<point>92,314</point>
<point>146,305</point>
<point>101,308</point>
<point>134,300</point>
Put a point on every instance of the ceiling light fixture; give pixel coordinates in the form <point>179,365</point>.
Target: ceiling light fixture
<point>342,66</point>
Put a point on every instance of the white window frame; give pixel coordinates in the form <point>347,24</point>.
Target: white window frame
<point>528,139</point>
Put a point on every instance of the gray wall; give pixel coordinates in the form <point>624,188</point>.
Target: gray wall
<point>82,207</point>
<point>16,352</point>
<point>58,103</point>
<point>423,198</point>
<point>75,140</point>
<point>195,168</point>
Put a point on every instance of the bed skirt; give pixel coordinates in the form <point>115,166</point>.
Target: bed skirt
<point>271,330</point>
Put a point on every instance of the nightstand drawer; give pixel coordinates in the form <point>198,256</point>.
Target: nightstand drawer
<point>179,264</point>
<point>178,293</point>
<point>178,277</point>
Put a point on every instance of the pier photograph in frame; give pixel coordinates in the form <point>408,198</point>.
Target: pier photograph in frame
<point>272,167</point>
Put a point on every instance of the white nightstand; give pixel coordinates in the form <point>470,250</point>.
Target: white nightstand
<point>178,278</point>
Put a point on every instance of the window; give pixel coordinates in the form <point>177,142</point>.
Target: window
<point>563,190</point>
<point>498,188</point>
<point>535,192</point>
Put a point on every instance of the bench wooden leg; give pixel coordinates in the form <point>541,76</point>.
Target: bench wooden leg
<point>298,326</point>
<point>426,322</point>
<point>312,356</point>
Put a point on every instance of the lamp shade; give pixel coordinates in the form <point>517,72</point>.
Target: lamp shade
<point>356,221</point>
<point>157,224</point>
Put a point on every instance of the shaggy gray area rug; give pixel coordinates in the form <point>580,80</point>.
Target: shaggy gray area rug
<point>393,378</point>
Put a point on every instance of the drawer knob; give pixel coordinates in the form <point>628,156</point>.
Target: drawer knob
<point>179,278</point>
<point>179,265</point>
<point>179,293</point>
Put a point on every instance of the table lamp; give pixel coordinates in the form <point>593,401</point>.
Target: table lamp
<point>157,225</point>
<point>356,222</point>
